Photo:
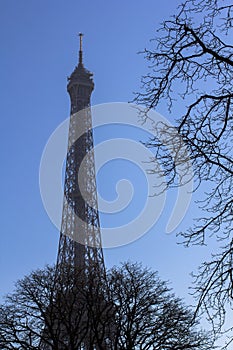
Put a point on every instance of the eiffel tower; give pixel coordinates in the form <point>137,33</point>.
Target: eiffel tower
<point>80,262</point>
<point>80,238</point>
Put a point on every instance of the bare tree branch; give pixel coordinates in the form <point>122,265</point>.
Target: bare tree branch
<point>191,65</point>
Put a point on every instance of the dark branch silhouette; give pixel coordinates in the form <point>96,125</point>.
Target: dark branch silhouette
<point>137,312</point>
<point>191,66</point>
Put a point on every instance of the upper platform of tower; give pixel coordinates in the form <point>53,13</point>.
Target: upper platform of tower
<point>80,76</point>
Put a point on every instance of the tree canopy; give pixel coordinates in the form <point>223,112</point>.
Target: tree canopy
<point>137,311</point>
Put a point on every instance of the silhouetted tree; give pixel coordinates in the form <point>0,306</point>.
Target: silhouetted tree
<point>191,67</point>
<point>53,312</point>
<point>136,312</point>
<point>148,316</point>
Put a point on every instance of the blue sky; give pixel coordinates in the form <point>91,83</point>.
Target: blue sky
<point>39,50</point>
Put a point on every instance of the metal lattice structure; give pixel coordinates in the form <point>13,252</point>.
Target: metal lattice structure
<point>80,240</point>
<point>80,264</point>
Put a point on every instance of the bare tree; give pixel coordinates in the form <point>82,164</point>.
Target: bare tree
<point>191,66</point>
<point>141,313</point>
<point>147,315</point>
<point>47,312</point>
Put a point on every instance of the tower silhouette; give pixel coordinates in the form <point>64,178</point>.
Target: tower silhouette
<point>80,287</point>
<point>80,240</point>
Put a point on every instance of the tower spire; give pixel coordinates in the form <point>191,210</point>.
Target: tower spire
<point>80,48</point>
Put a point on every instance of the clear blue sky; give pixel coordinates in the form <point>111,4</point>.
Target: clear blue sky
<point>39,49</point>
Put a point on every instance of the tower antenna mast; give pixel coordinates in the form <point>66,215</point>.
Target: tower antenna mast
<point>80,48</point>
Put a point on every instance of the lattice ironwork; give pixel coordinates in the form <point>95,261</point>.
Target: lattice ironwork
<point>80,264</point>
<point>80,238</point>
